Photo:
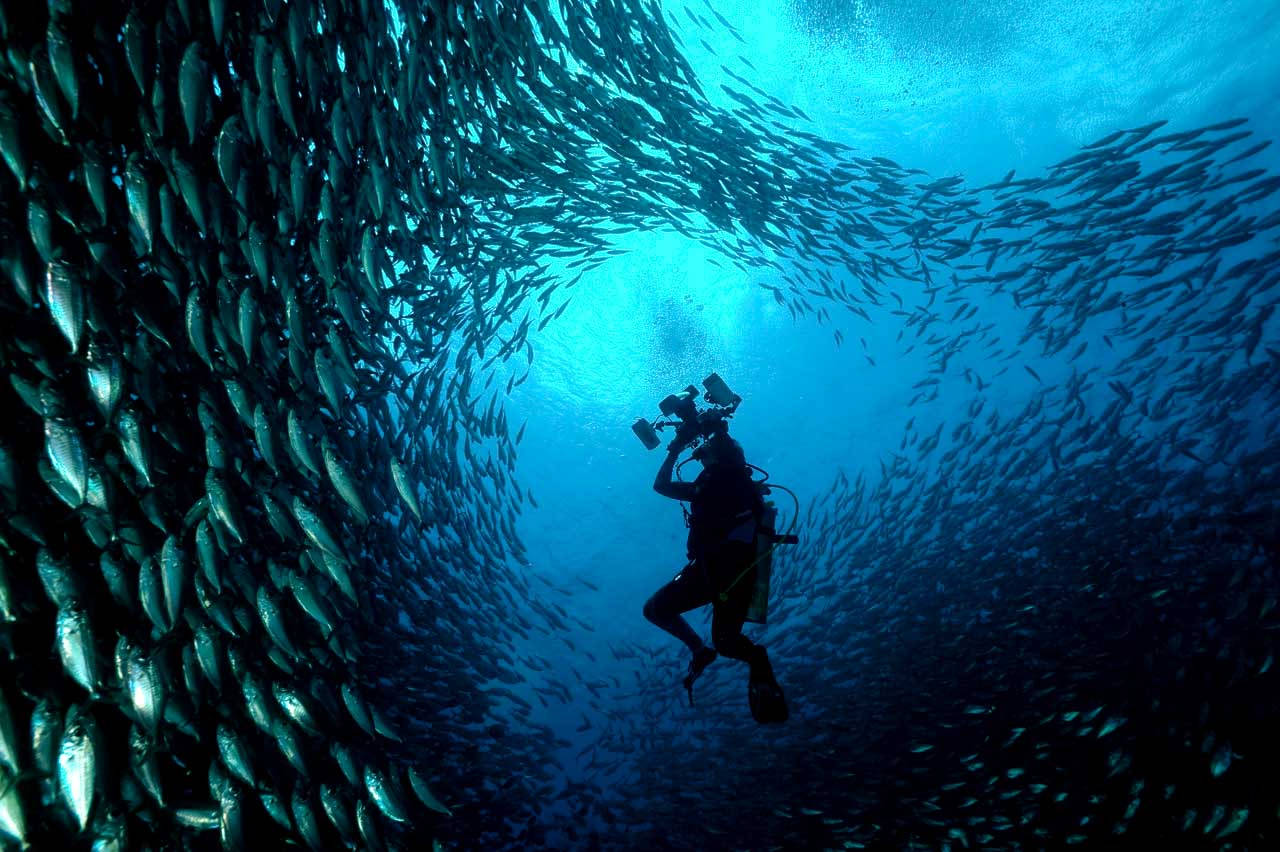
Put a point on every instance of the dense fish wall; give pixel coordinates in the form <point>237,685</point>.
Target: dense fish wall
<point>269,273</point>
<point>230,439</point>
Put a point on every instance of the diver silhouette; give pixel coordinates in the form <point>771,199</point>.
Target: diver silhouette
<point>726,508</point>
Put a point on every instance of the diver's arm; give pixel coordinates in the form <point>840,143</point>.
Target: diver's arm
<point>663,484</point>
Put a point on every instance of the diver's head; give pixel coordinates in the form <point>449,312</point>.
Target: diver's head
<point>721,451</point>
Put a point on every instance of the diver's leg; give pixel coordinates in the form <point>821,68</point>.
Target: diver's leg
<point>687,591</point>
<point>728,617</point>
<point>768,704</point>
<point>726,631</point>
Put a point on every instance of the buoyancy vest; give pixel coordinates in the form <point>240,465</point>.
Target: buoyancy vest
<point>726,506</point>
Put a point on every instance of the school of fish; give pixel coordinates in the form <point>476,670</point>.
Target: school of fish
<point>270,272</point>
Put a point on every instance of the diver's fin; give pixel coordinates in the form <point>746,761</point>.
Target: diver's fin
<point>702,658</point>
<point>768,704</point>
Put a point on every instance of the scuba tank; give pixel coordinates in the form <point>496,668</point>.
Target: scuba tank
<point>766,540</point>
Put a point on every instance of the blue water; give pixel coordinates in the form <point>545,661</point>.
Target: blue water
<point>971,89</point>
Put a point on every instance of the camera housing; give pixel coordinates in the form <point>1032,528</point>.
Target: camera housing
<point>681,405</point>
<point>691,423</point>
<point>646,433</point>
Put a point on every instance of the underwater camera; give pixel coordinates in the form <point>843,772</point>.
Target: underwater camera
<point>691,424</point>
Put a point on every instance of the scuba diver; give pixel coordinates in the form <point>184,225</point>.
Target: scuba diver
<point>727,514</point>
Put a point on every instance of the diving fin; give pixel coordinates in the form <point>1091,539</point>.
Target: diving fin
<point>768,705</point>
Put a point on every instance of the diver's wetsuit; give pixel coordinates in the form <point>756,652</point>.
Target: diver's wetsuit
<point>726,507</point>
<point>699,583</point>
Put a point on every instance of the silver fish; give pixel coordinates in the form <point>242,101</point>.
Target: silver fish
<point>13,143</point>
<point>235,755</point>
<point>382,725</point>
<point>100,490</point>
<point>199,819</point>
<point>276,809</point>
<point>138,49</point>
<point>8,605</point>
<point>255,700</point>
<point>105,381</point>
<point>404,487</point>
<point>141,197</point>
<point>207,554</point>
<point>144,686</point>
<point>343,482</point>
<point>223,507</point>
<point>384,795</point>
<point>143,760</point>
<point>173,577</point>
<point>191,189</point>
<point>208,656</point>
<point>346,762</point>
<point>59,486</point>
<point>357,708</point>
<point>193,75</point>
<point>286,738</point>
<point>46,734</point>
<point>57,578</point>
<point>264,435</point>
<point>66,301</point>
<point>330,384</point>
<point>151,595</point>
<point>117,582</point>
<point>240,401</point>
<point>423,792</point>
<point>96,179</point>
<point>8,737</point>
<point>278,517</point>
<point>273,621</point>
<point>247,321</point>
<point>291,701</point>
<point>231,819</point>
<point>75,646</point>
<point>257,253</point>
<point>13,822</point>
<point>77,765</point>
<point>48,96</point>
<point>336,809</point>
<point>62,60</point>
<point>282,88</point>
<point>228,152</point>
<point>315,529</point>
<point>304,817</point>
<point>197,325</point>
<point>134,443</point>
<point>312,604</point>
<point>336,568</point>
<point>217,18</point>
<point>66,454</point>
<point>368,826</point>
<point>300,444</point>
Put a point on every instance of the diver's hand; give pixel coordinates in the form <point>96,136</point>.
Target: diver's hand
<point>684,437</point>
<point>681,441</point>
